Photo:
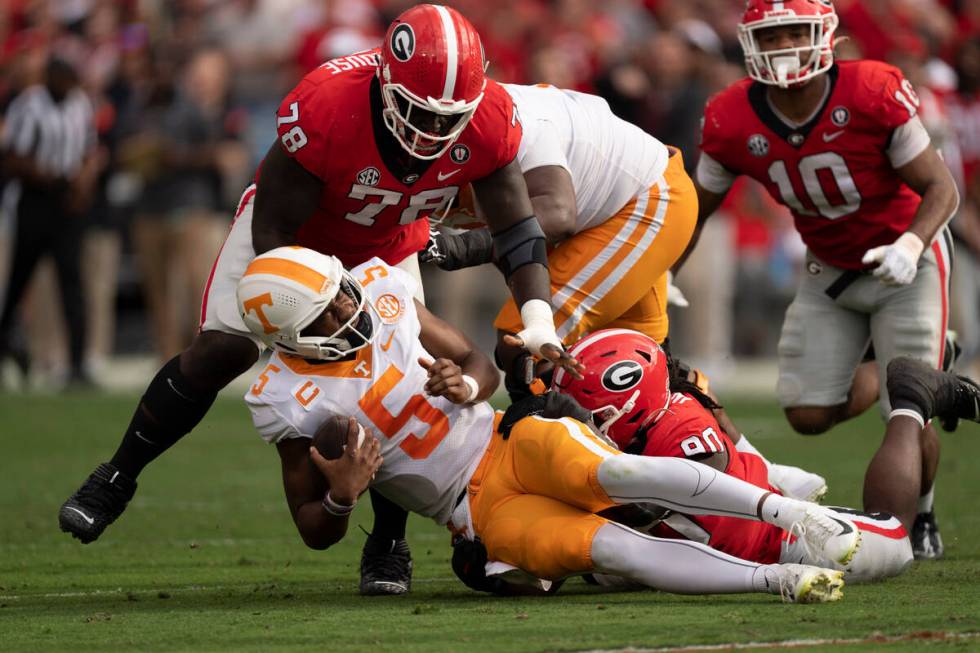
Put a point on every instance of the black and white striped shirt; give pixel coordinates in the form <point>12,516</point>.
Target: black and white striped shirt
<point>58,136</point>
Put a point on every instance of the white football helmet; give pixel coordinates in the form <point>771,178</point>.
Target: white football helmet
<point>285,289</point>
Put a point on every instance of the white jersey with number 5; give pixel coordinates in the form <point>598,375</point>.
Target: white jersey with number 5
<point>430,445</point>
<point>609,159</point>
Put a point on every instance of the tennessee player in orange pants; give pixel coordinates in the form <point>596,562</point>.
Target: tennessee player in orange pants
<point>616,205</point>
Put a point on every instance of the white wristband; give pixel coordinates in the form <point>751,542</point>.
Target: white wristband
<point>536,313</point>
<point>337,509</point>
<point>473,386</point>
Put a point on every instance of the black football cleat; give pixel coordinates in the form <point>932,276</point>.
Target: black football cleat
<point>927,543</point>
<point>386,567</point>
<point>99,502</point>
<point>960,400</point>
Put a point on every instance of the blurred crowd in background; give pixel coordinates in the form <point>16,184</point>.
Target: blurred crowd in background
<point>184,94</point>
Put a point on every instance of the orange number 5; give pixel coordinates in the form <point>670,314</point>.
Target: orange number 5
<point>264,378</point>
<point>369,274</point>
<point>416,447</point>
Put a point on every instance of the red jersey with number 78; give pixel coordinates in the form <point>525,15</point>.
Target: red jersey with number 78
<point>375,195</point>
<point>836,172</point>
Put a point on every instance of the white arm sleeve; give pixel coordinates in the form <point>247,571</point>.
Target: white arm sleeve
<point>541,147</point>
<point>908,141</point>
<point>712,176</point>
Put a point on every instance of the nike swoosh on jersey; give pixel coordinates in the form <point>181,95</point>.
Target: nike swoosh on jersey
<point>387,344</point>
<point>829,137</point>
<point>444,177</point>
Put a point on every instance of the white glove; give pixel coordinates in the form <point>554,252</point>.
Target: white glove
<point>675,297</point>
<point>539,326</point>
<point>897,262</point>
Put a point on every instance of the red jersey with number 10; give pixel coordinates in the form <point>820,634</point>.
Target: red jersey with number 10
<point>375,194</point>
<point>833,172</point>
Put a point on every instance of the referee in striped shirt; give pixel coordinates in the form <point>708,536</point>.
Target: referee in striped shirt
<point>48,157</point>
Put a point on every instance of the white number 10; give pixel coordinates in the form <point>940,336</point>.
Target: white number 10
<point>809,165</point>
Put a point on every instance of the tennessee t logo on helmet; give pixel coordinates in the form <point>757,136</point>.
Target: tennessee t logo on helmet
<point>285,289</point>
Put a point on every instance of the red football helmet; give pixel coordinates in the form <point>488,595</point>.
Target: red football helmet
<point>432,78</point>
<point>626,384</point>
<point>788,67</point>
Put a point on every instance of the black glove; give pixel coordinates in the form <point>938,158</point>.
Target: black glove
<point>457,251</point>
<point>470,566</point>
<point>551,405</point>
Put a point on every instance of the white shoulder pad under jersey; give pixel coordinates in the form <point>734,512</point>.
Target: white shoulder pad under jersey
<point>609,159</point>
<point>430,445</point>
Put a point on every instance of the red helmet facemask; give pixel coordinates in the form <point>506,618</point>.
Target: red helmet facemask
<point>787,67</point>
<point>626,384</point>
<point>432,78</point>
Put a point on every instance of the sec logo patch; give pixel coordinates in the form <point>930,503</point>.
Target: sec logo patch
<point>758,145</point>
<point>370,176</point>
<point>390,308</point>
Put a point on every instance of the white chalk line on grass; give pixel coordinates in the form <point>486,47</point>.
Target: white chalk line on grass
<point>924,636</point>
<point>178,590</point>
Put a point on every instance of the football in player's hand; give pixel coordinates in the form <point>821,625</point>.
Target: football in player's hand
<point>332,435</point>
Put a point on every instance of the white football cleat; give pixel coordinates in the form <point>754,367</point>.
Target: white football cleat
<point>806,584</point>
<point>827,534</point>
<point>798,483</point>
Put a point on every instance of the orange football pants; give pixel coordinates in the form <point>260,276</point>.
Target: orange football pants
<point>615,274</point>
<point>534,495</point>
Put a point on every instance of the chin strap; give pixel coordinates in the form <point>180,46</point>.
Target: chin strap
<point>617,412</point>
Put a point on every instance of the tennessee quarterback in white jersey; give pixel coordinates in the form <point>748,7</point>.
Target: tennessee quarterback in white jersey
<point>381,386</point>
<point>353,344</point>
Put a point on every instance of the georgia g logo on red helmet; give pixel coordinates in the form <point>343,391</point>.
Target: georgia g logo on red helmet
<point>403,42</point>
<point>621,376</point>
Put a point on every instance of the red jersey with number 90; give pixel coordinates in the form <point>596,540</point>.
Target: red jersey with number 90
<point>331,124</point>
<point>689,430</point>
<point>834,172</point>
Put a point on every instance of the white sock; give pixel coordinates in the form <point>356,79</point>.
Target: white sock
<point>783,511</point>
<point>678,566</point>
<point>743,445</point>
<point>925,501</point>
<point>678,484</point>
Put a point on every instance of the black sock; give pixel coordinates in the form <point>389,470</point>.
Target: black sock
<point>168,410</point>
<point>389,518</point>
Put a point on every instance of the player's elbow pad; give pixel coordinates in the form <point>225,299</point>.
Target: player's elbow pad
<point>519,245</point>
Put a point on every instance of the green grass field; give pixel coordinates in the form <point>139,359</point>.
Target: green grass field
<point>207,559</point>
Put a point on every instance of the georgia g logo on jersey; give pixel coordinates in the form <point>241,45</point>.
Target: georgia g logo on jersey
<point>622,376</point>
<point>403,42</point>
